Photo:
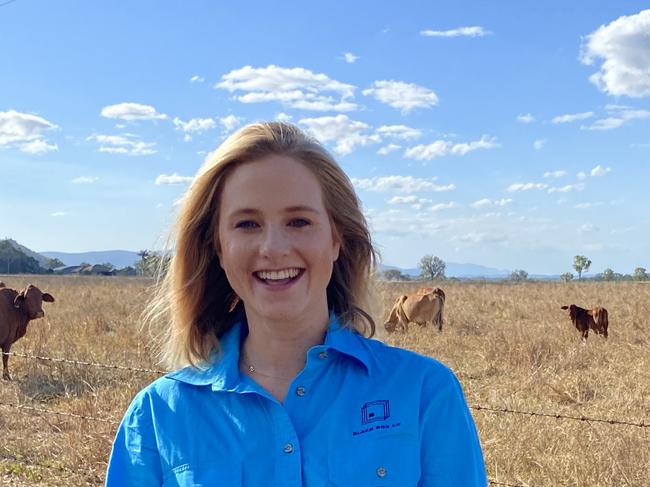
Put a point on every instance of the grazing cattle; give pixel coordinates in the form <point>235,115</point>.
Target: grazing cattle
<point>2,284</point>
<point>583,319</point>
<point>17,309</point>
<point>421,308</point>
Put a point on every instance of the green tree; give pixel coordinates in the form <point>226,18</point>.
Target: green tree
<point>54,263</point>
<point>519,275</point>
<point>432,267</point>
<point>395,275</point>
<point>581,264</point>
<point>14,261</point>
<point>640,274</point>
<point>608,275</point>
<point>566,277</point>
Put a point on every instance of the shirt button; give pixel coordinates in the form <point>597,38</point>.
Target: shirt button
<point>322,355</point>
<point>381,472</point>
<point>288,448</point>
<point>300,390</point>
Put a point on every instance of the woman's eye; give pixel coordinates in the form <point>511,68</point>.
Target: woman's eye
<point>246,224</point>
<point>299,222</point>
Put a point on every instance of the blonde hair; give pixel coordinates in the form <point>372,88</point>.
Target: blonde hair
<point>194,299</point>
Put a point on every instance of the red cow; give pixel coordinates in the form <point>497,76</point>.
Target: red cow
<point>16,311</point>
<point>583,319</point>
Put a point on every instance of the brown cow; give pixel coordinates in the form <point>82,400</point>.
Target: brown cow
<point>420,308</point>
<point>2,284</point>
<point>583,319</point>
<point>16,311</point>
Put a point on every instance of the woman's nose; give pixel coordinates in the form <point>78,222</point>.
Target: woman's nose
<point>275,241</point>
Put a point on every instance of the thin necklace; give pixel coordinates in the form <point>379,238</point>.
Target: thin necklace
<point>253,369</point>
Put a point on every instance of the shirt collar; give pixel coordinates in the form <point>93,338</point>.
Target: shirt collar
<point>222,369</point>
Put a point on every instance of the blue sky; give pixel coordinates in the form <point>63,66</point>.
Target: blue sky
<point>510,134</point>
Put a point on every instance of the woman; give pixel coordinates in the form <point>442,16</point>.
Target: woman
<point>265,292</point>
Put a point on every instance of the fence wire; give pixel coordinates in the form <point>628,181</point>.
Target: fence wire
<point>478,407</point>
<point>642,424</point>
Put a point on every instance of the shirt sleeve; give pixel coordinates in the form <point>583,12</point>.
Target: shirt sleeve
<point>450,449</point>
<point>134,459</point>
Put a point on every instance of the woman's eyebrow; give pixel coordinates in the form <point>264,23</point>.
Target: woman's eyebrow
<point>298,208</point>
<point>289,209</point>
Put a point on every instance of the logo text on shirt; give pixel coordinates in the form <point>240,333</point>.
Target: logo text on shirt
<point>372,412</point>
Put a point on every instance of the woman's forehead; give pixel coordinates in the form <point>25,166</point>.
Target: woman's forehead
<point>274,182</point>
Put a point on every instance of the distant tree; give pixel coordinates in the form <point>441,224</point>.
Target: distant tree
<point>109,265</point>
<point>519,275</point>
<point>395,275</point>
<point>14,261</point>
<point>566,277</point>
<point>640,274</point>
<point>581,264</point>
<point>54,263</point>
<point>85,264</point>
<point>432,267</point>
<point>608,275</point>
<point>150,263</point>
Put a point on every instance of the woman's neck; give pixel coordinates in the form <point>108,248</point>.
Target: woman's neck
<point>273,353</point>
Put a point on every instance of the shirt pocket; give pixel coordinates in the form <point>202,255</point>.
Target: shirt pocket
<point>203,475</point>
<point>386,461</point>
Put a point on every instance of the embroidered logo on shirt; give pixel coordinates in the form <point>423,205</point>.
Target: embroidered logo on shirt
<point>375,411</point>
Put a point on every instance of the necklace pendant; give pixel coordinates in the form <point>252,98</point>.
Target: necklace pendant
<point>251,368</point>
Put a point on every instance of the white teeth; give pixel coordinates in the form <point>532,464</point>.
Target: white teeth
<point>278,275</point>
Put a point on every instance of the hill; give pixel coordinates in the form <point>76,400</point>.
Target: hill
<point>119,258</point>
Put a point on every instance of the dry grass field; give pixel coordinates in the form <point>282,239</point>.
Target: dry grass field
<point>511,346</point>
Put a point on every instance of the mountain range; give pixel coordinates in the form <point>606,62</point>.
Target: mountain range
<point>125,258</point>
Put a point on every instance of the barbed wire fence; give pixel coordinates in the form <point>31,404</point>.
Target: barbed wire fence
<point>478,407</point>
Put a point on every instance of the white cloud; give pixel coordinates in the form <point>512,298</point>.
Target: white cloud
<point>567,188</point>
<point>387,149</point>
<point>26,130</point>
<point>487,203</point>
<point>619,115</point>
<point>539,144</point>
<point>525,187</point>
<point>624,48</point>
<point>555,174</point>
<point>230,123</point>
<point>525,118</point>
<point>581,176</point>
<point>85,180</point>
<point>405,184</point>
<point>174,178</point>
<point>38,146</point>
<point>572,117</point>
<point>197,79</point>
<point>585,206</point>
<point>127,144</point>
<point>441,148</point>
<point>283,117</point>
<point>412,201</point>
<point>473,31</point>
<point>588,228</point>
<point>132,111</point>
<point>59,213</point>
<point>194,126</point>
<point>294,87</point>
<point>476,238</point>
<point>399,132</point>
<point>600,171</point>
<point>347,134</point>
<point>349,57</point>
<point>443,206</point>
<point>403,96</point>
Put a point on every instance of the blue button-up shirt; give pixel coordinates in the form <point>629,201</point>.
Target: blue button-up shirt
<point>359,414</point>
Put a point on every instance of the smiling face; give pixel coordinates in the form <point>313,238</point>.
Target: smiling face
<point>276,243</point>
